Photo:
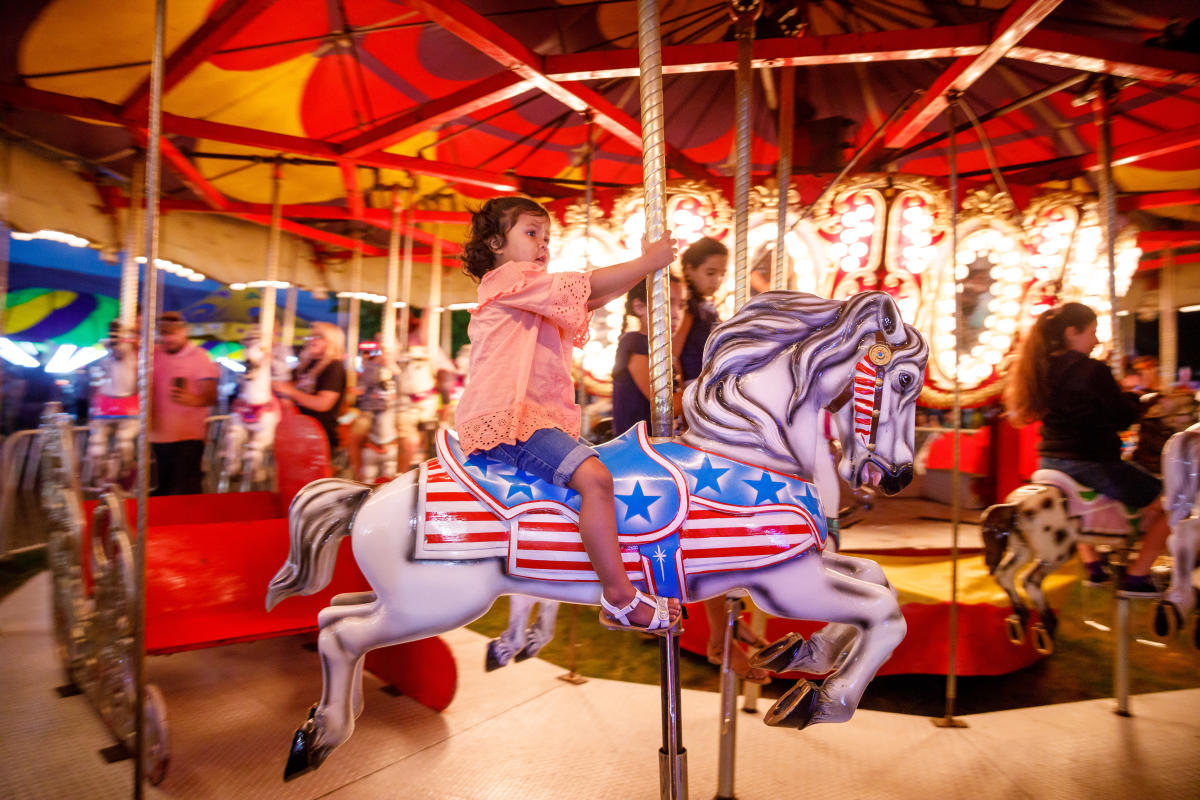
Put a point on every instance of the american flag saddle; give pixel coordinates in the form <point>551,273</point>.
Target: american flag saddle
<point>680,511</point>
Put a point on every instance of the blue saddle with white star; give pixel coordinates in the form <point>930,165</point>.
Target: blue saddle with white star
<point>651,492</point>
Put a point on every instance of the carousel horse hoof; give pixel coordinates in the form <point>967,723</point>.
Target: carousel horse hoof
<point>796,708</point>
<point>530,650</point>
<point>1016,629</point>
<point>778,656</point>
<point>301,758</point>
<point>1043,642</point>
<point>1167,620</point>
<point>492,661</point>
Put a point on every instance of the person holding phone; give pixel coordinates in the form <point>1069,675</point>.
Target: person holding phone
<point>185,389</point>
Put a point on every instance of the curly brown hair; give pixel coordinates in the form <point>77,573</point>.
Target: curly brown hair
<point>1026,393</point>
<point>489,225</point>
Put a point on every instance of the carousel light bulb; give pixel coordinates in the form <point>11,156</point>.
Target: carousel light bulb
<point>946,342</point>
<point>850,263</point>
<point>1011,259</point>
<point>965,255</point>
<point>996,272</point>
<point>1005,244</point>
<point>1006,325</point>
<point>1002,341</point>
<point>866,210</point>
<point>850,219</point>
<point>865,229</point>
<point>962,271</point>
<point>859,249</point>
<point>848,236</point>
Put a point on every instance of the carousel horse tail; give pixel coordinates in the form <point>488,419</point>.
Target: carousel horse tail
<point>998,522</point>
<point>320,515</point>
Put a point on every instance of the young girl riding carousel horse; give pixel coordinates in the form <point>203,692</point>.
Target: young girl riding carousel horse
<point>519,407</point>
<point>1083,410</point>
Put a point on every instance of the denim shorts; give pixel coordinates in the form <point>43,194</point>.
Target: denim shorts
<point>550,454</point>
<point>1120,480</point>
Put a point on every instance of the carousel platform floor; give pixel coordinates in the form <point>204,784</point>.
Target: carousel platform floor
<point>521,733</point>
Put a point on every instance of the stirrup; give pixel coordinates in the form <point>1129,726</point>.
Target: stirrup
<point>617,619</point>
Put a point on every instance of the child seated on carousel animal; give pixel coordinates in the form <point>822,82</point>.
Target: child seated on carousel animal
<point>519,407</point>
<point>1083,410</point>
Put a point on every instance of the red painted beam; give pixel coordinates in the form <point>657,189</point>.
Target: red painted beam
<point>185,169</point>
<point>300,210</point>
<point>1017,20</point>
<point>1149,200</point>
<point>1091,54</point>
<point>1128,153</point>
<point>1160,240</point>
<point>354,198</point>
<point>1160,262</point>
<point>477,96</point>
<point>316,234</point>
<point>806,51</point>
<point>496,43</point>
<point>95,110</point>
<point>225,21</point>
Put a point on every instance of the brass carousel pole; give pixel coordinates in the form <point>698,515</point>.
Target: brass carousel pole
<point>353,333</point>
<point>672,758</point>
<point>407,277</point>
<point>127,307</point>
<point>5,189</point>
<point>787,114</point>
<point>949,720</point>
<point>1102,106</point>
<point>266,311</point>
<point>387,332</point>
<point>744,13</point>
<point>145,392</point>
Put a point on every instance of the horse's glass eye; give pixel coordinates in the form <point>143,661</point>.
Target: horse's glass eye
<point>906,380</point>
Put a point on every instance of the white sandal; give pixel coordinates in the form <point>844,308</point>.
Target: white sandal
<point>617,619</point>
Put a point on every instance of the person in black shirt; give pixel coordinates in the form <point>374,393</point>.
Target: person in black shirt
<point>319,382</point>
<point>1083,411</point>
<point>631,367</point>
<point>705,263</point>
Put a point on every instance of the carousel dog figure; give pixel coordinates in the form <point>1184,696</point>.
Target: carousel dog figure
<point>1043,521</point>
<point>113,415</point>
<point>381,444</point>
<point>730,504</point>
<point>1181,500</point>
<point>256,412</point>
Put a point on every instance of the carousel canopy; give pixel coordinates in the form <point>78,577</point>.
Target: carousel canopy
<point>456,100</point>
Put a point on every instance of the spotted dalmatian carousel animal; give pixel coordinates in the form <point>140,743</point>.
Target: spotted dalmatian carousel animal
<point>113,414</point>
<point>1041,523</point>
<point>731,504</point>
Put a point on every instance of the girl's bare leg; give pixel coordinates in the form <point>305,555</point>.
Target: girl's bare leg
<point>598,528</point>
<point>1154,541</point>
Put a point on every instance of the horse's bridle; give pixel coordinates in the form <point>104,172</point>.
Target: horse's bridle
<point>866,387</point>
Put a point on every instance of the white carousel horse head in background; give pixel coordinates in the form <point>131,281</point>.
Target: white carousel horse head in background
<point>771,373</point>
<point>1181,501</point>
<point>419,398</point>
<point>382,443</point>
<point>256,412</point>
<point>113,415</point>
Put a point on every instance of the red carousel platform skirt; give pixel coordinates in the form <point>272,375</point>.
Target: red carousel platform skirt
<point>922,580</point>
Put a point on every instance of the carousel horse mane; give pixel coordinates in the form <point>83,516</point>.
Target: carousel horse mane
<point>819,332</point>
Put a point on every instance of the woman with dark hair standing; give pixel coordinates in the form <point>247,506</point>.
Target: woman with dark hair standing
<point>1083,411</point>
<point>705,263</point>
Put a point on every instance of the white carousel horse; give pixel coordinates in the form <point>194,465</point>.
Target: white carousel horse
<point>256,412</point>
<point>772,371</point>
<point>1181,493</point>
<point>1043,521</point>
<point>382,443</point>
<point>419,403</point>
<point>522,639</point>
<point>113,415</point>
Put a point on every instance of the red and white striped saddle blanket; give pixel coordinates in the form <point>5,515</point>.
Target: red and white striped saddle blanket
<point>732,516</point>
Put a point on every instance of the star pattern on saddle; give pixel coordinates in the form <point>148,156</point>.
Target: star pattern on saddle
<point>709,476</point>
<point>520,481</point>
<point>637,503</point>
<point>480,462</point>
<point>767,490</point>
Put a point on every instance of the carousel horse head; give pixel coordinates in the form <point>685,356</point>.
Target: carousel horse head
<point>787,356</point>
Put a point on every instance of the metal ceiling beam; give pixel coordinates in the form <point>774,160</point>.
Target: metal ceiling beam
<point>503,48</point>
<point>1128,153</point>
<point>1161,240</point>
<point>185,169</point>
<point>1016,21</point>
<point>1068,50</point>
<point>1149,200</point>
<point>224,23</point>
<point>477,96</point>
<point>806,51</point>
<point>95,110</point>
<point>1091,54</point>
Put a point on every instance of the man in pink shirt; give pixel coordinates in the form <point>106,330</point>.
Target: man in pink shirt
<point>185,388</point>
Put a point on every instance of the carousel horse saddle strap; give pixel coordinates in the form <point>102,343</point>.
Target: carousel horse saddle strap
<point>1098,513</point>
<point>250,412</point>
<point>651,492</point>
<point>104,405</point>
